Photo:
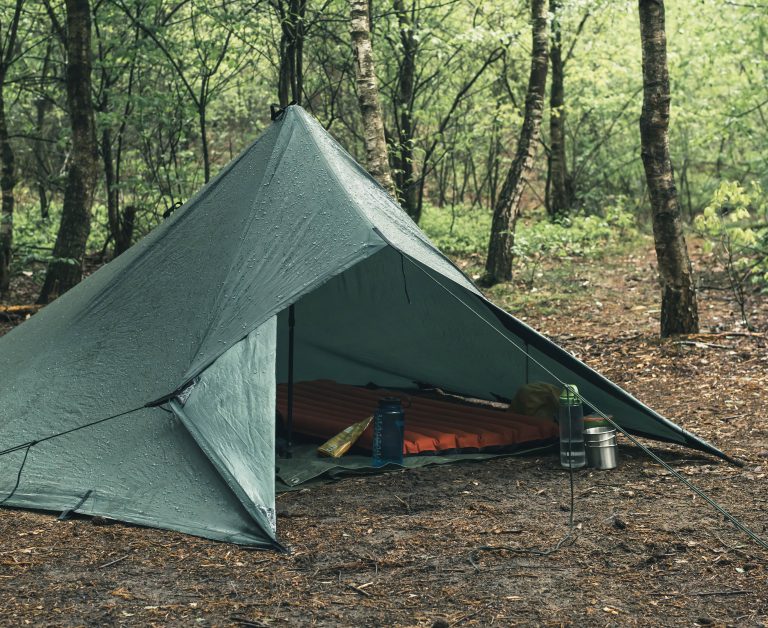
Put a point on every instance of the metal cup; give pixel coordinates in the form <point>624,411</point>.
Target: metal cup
<point>601,447</point>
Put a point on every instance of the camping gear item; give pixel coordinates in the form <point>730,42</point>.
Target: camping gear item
<point>323,408</point>
<point>205,296</point>
<point>601,447</point>
<point>570,416</point>
<point>600,434</point>
<point>595,420</point>
<point>388,432</point>
<point>337,446</point>
<point>537,399</point>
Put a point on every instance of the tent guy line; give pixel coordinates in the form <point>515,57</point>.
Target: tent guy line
<point>34,442</point>
<point>568,539</point>
<point>157,403</point>
<point>29,444</point>
<point>18,475</point>
<point>698,491</point>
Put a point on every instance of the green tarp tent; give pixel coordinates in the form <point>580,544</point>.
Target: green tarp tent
<point>190,327</point>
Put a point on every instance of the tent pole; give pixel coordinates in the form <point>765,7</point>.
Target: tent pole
<point>289,418</point>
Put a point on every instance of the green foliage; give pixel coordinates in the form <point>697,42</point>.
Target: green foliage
<point>457,230</point>
<point>156,63</point>
<point>735,229</point>
<point>463,232</point>
<point>34,237</point>
<point>33,243</point>
<point>32,233</point>
<point>578,236</point>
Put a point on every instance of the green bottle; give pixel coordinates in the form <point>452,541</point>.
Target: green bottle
<point>570,416</point>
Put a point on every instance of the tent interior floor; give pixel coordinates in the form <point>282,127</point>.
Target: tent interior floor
<point>439,429</point>
<point>305,465</point>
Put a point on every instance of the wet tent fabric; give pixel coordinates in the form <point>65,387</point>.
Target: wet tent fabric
<point>397,323</point>
<point>293,219</point>
<point>145,469</point>
<point>273,225</point>
<point>230,411</point>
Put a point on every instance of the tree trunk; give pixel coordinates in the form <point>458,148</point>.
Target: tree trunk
<point>111,153</point>
<point>558,197</point>
<point>492,160</point>
<point>113,209</point>
<point>66,268</point>
<point>117,222</point>
<point>498,266</point>
<point>286,55</point>
<point>284,75</point>
<point>124,237</point>
<point>290,78</point>
<point>39,149</point>
<point>39,145</point>
<point>7,183</point>
<point>203,119</point>
<point>376,154</point>
<point>407,187</point>
<point>298,76</point>
<point>7,158</point>
<point>679,309</point>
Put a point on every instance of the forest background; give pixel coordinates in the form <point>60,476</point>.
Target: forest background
<point>178,88</point>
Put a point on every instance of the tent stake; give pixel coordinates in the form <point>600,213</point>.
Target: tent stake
<point>289,418</point>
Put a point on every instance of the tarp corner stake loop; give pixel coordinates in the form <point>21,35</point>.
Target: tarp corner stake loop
<point>67,514</point>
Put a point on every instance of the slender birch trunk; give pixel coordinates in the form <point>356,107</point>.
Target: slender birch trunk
<point>498,266</point>
<point>679,308</point>
<point>376,154</point>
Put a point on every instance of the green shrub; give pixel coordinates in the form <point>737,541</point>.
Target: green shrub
<point>34,236</point>
<point>577,236</point>
<point>465,231</point>
<point>735,229</point>
<point>459,230</point>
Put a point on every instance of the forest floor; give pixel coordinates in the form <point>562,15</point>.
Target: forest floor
<point>399,549</point>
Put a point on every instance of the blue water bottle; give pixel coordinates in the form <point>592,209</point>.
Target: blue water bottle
<point>388,432</point>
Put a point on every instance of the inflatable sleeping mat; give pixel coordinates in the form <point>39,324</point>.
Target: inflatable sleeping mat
<point>322,409</point>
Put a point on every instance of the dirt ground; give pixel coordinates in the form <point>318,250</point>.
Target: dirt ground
<point>400,549</point>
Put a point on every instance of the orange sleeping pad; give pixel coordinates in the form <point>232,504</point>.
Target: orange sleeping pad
<point>323,408</point>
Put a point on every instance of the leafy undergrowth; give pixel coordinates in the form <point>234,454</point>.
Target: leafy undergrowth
<point>395,549</point>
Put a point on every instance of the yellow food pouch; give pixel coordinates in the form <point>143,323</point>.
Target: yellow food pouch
<point>337,446</point>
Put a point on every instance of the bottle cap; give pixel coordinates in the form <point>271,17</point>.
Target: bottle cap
<point>389,402</point>
<point>570,395</point>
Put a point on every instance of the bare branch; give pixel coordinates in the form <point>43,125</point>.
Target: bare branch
<point>580,28</point>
